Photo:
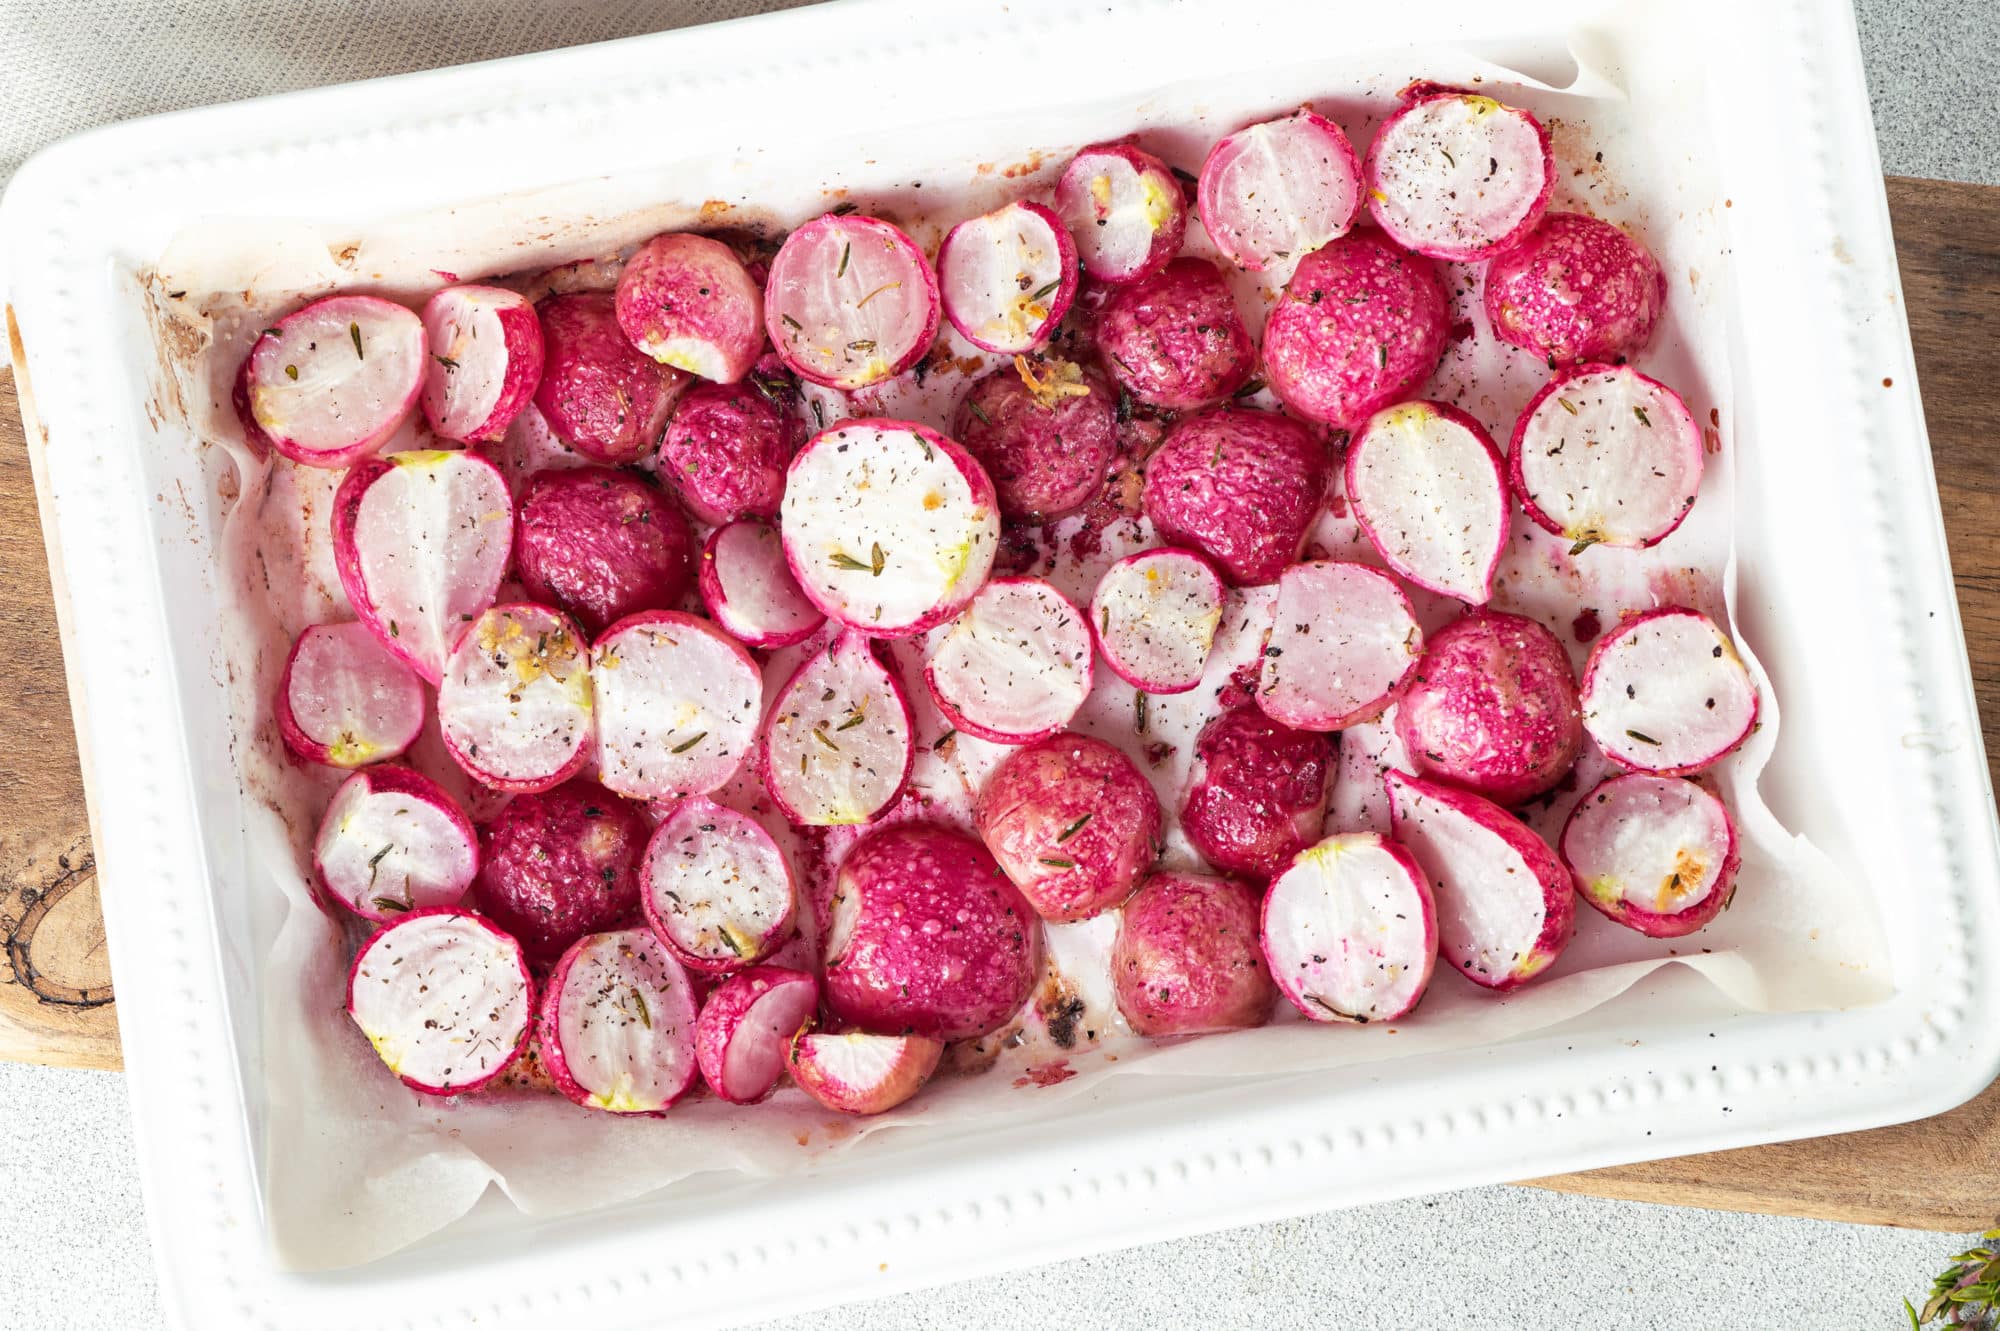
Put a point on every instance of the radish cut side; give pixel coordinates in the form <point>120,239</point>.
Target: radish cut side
<point>745,1027</point>
<point>838,744</point>
<point>515,702</point>
<point>748,587</point>
<point>677,705</point>
<point>1457,176</point>
<point>1279,189</point>
<point>485,361</point>
<point>715,886</point>
<point>1665,692</point>
<point>1015,665</point>
<point>1124,209</point>
<point>617,1024</point>
<point>1350,931</point>
<point>1007,278</point>
<point>1427,486</point>
<point>330,383</point>
<point>444,997</point>
<point>392,842</point>
<point>1155,615</point>
<point>850,301</point>
<point>858,1073</point>
<point>1344,640</point>
<point>1605,455</point>
<point>1654,853</point>
<point>346,700</point>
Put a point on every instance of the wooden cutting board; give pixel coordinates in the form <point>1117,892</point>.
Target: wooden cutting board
<point>1944,1173</point>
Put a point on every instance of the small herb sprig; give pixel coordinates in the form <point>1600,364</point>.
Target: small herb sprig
<point>1967,1294</point>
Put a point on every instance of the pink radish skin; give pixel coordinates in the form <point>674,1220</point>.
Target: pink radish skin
<point>1125,210</point>
<point>1457,176</point>
<point>1656,854</point>
<point>1174,339</point>
<point>558,865</point>
<point>1350,930</point>
<point>1007,278</point>
<point>1493,708</point>
<point>1187,958</point>
<point>1256,794</point>
<point>1430,492</point>
<point>1046,447</point>
<point>444,997</point>
<point>261,445</point>
<point>420,541</point>
<point>345,700</point>
<point>749,588</point>
<point>677,703</point>
<point>687,302</point>
<point>617,1026</point>
<point>831,761</point>
<point>1242,487</point>
<point>716,888</point>
<point>600,545</point>
<point>391,842</point>
<point>851,301</point>
<point>747,1025</point>
<point>485,360</point>
<point>329,383</point>
<point>927,936</point>
<point>1603,455</point>
<point>600,394</point>
<point>854,1072</point>
<point>1015,665</point>
<point>1154,615</point>
<point>515,702</point>
<point>1666,693</point>
<point>1279,189</point>
<point>1360,326</point>
<point>1072,822</point>
<point>1344,641</point>
<point>1576,290</point>
<point>725,453</point>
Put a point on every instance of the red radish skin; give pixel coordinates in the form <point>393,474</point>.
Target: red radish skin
<point>1506,905</point>
<point>749,588</point>
<point>716,888</point>
<point>1457,176</point>
<point>725,453</point>
<point>1604,455</point>
<point>1493,708</point>
<point>515,702</point>
<point>928,937</point>
<point>1350,930</point>
<point>853,1072</point>
<point>1256,793</point>
<point>1578,289</point>
<point>601,395</point>
<point>345,700</point>
<point>1175,339</point>
<point>328,384</point>
<point>1359,327</point>
<point>558,865</point>
<point>617,1026</point>
<point>391,842</point>
<point>485,360</point>
<point>600,545</point>
<point>1665,692</point>
<point>1279,189</point>
<point>851,301</point>
<point>1242,487</point>
<point>1154,615</point>
<point>1187,959</point>
<point>444,997</point>
<point>835,760</point>
<point>260,444</point>
<point>746,1027</point>
<point>1125,210</point>
<point>1072,822</point>
<point>677,703</point>
<point>687,302</point>
<point>1046,445</point>
<point>1007,278</point>
<point>1015,665</point>
<point>1656,854</point>
<point>1344,640</point>
<point>1430,492</point>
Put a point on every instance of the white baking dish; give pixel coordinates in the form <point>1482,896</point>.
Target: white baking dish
<point>1880,761</point>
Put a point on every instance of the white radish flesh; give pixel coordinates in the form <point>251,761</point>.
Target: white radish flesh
<point>346,700</point>
<point>715,886</point>
<point>617,1025</point>
<point>746,1026</point>
<point>1016,663</point>
<point>1457,176</point>
<point>1279,189</point>
<point>858,1073</point>
<point>1429,489</point>
<point>1008,277</point>
<point>485,361</point>
<point>1350,931</point>
<point>850,301</point>
<point>445,999</point>
<point>1155,615</point>
<point>1343,642</point>
<point>515,702</point>
<point>748,587</point>
<point>1654,853</point>
<point>1665,692</point>
<point>1605,455</point>
<point>392,842</point>
<point>1125,210</point>
<point>838,743</point>
<point>330,383</point>
<point>677,705</point>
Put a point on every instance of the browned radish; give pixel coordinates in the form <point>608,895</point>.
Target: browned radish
<point>1125,210</point>
<point>485,347</point>
<point>346,700</point>
<point>1279,189</point>
<point>1016,663</point>
<point>329,383</point>
<point>392,842</point>
<point>600,394</point>
<point>1008,277</point>
<point>749,588</point>
<point>515,701</point>
<point>1344,640</point>
<point>617,1024</point>
<point>850,301</point>
<point>445,999</point>
<point>677,705</point>
<point>747,1025</point>
<point>687,301</point>
<point>716,887</point>
<point>838,742</point>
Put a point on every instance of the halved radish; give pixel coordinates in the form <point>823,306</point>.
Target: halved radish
<point>1243,487</point>
<point>854,1072</point>
<point>1125,210</point>
<point>1186,959</point>
<point>850,301</point>
<point>1506,906</point>
<point>600,544</point>
<point>1279,189</point>
<point>1175,339</point>
<point>1604,455</point>
<point>1008,277</point>
<point>1578,289</point>
<point>1256,792</point>
<point>1665,692</point>
<point>838,743</point>
<point>889,527</point>
<point>1154,614</point>
<point>1430,491</point>
<point>515,701</point>
<point>1045,430</point>
<point>392,842</point>
<point>560,864</point>
<point>1344,640</point>
<point>345,700</point>
<point>485,361</point>
<point>1653,853</point>
<point>687,301</point>
<point>1459,176</point>
<point>1493,708</point>
<point>746,1026</point>
<point>444,997</point>
<point>600,394</point>
<point>420,541</point>
<point>677,705</point>
<point>726,449</point>
<point>749,588</point>
<point>328,384</point>
<point>716,888</point>
<point>1015,665</point>
<point>617,1024</point>
<point>1073,822</point>
<point>1350,930</point>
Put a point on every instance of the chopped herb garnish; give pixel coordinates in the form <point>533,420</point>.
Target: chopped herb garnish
<point>980,412</point>
<point>1583,543</point>
<point>819,733</point>
<point>1567,405</point>
<point>1054,863</point>
<point>1381,355</point>
<point>1643,739</point>
<point>1043,291</point>
<point>847,563</point>
<point>445,361</point>
<point>1447,156</point>
<point>845,251</point>
<point>792,323</point>
<point>354,331</point>
<point>291,371</point>
<point>1640,412</point>
<point>858,715</point>
<point>842,210</point>
<point>876,559</point>
<point>886,286</point>
<point>1139,711</point>
<point>1074,828</point>
<point>687,744</point>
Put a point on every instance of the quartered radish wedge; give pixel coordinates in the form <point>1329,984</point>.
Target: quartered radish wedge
<point>617,1024</point>
<point>328,384</point>
<point>1155,614</point>
<point>485,361</point>
<point>1458,176</point>
<point>1008,277</point>
<point>515,701</point>
<point>421,542</point>
<point>715,886</point>
<point>1015,665</point>
<point>1344,640</point>
<point>850,301</point>
<point>1665,692</point>
<point>687,301</point>
<point>1125,210</point>
<point>857,1073</point>
<point>1279,189</point>
<point>1603,455</point>
<point>748,587</point>
<point>838,742</point>
<point>444,997</point>
<point>391,842</point>
<point>677,705</point>
<point>1653,853</point>
<point>345,700</point>
<point>1350,930</point>
<point>746,1026</point>
<point>1428,488</point>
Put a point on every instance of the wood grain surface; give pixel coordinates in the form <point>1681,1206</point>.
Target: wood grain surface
<point>1943,1173</point>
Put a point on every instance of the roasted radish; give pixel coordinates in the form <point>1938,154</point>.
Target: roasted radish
<point>715,886</point>
<point>1154,615</point>
<point>1174,338</point>
<point>1344,640</point>
<point>749,588</point>
<point>1187,958</point>
<point>600,545</point>
<point>1279,189</point>
<point>678,702</point>
<point>515,702</point>
<point>1256,794</point>
<point>558,865</point>
<point>1008,277</point>
<point>1045,430</point>
<point>1603,455</point>
<point>838,743</point>
<point>1665,692</point>
<point>686,301</point>
<point>1576,290</point>
<point>747,1025</point>
<point>1430,492</point>
<point>1350,931</point>
<point>1125,209</point>
<point>1015,665</point>
<point>725,452</point>
<point>601,395</point>
<point>346,700</point>
<point>1243,487</point>
<point>328,384</point>
<point>851,301</point>
<point>1458,176</point>
<point>617,1024</point>
<point>1653,853</point>
<point>1493,708</point>
<point>1072,822</point>
<point>392,842</point>
<point>853,1072</point>
<point>485,361</point>
<point>444,997</point>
